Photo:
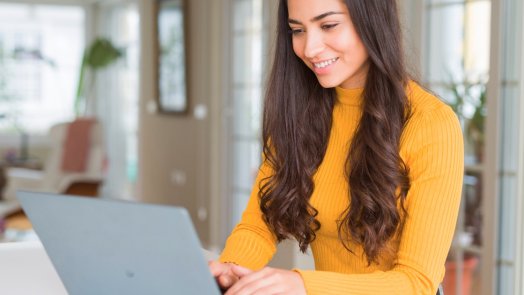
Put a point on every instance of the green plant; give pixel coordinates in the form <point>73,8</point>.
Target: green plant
<point>469,103</point>
<point>101,53</point>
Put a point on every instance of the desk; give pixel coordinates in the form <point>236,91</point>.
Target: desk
<point>26,269</point>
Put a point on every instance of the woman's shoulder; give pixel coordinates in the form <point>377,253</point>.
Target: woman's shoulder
<point>429,116</point>
<point>423,101</point>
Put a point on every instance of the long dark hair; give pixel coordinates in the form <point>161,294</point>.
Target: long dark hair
<point>296,125</point>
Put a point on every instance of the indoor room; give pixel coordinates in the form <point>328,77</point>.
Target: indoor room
<point>161,102</point>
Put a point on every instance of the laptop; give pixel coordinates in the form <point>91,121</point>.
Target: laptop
<point>101,246</point>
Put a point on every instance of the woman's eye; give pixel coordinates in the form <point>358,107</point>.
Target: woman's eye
<point>296,31</point>
<point>328,26</point>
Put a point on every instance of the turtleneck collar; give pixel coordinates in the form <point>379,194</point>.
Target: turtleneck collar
<point>351,96</point>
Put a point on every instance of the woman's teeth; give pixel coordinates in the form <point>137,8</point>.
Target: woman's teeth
<point>325,63</point>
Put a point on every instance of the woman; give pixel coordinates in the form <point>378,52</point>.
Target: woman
<point>360,163</point>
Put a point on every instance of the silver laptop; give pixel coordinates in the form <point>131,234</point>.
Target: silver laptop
<point>100,246</point>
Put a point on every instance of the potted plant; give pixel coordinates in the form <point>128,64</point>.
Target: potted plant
<point>457,258</point>
<point>100,54</point>
<point>469,103</point>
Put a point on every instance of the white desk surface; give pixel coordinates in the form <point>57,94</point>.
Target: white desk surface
<point>25,269</point>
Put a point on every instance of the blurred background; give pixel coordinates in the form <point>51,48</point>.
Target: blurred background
<point>166,97</point>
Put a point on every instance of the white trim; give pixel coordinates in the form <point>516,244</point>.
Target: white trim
<point>519,272</point>
<point>219,198</point>
<point>491,192</point>
<point>225,132</point>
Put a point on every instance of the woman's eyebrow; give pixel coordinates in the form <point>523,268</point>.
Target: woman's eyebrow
<point>314,19</point>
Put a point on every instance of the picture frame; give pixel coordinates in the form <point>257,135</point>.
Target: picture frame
<point>171,56</point>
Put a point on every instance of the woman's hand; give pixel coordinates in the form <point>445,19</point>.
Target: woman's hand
<point>223,274</point>
<point>266,281</point>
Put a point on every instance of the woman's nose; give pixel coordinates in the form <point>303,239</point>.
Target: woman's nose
<point>314,45</point>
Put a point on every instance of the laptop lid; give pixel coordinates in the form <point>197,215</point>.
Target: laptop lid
<point>101,246</point>
<point>25,269</point>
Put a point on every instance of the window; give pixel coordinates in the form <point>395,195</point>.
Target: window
<point>117,89</point>
<point>248,57</point>
<point>508,93</point>
<point>456,67</point>
<point>41,50</point>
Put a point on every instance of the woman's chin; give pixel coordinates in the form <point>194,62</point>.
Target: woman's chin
<point>327,84</point>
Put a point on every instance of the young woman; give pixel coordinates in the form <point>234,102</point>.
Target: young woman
<point>360,163</point>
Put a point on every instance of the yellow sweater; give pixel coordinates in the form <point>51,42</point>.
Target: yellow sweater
<point>432,148</point>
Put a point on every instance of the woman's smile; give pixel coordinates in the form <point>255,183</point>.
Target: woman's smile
<point>324,67</point>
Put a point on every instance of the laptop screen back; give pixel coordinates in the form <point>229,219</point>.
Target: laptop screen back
<point>113,247</point>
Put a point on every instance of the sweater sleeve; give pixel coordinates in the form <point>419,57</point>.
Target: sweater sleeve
<point>435,158</point>
<point>251,243</point>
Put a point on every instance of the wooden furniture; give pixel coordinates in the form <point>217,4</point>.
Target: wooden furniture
<point>18,221</point>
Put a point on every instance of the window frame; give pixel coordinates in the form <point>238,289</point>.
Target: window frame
<point>41,140</point>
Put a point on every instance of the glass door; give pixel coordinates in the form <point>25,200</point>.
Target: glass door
<point>248,57</point>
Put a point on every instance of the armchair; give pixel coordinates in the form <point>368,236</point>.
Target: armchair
<point>76,164</point>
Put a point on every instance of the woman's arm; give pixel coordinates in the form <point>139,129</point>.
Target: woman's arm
<point>251,244</point>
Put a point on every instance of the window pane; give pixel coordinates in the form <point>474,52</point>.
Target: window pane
<point>457,66</point>
<point>512,55</point>
<point>247,57</point>
<point>240,201</point>
<point>247,155</point>
<point>506,280</point>
<point>247,104</point>
<point>477,38</point>
<point>445,46</point>
<point>247,16</point>
<point>40,52</point>
<point>510,128</point>
<point>120,24</point>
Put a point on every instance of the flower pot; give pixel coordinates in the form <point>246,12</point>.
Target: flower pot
<point>450,280</point>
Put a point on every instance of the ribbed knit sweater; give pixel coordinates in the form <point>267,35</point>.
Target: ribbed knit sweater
<point>432,147</point>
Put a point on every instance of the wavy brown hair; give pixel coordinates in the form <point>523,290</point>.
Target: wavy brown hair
<point>296,125</point>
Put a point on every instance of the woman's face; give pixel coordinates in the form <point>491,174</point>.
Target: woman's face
<point>325,39</point>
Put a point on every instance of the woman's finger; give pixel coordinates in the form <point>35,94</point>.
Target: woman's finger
<point>251,282</point>
<point>240,271</point>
